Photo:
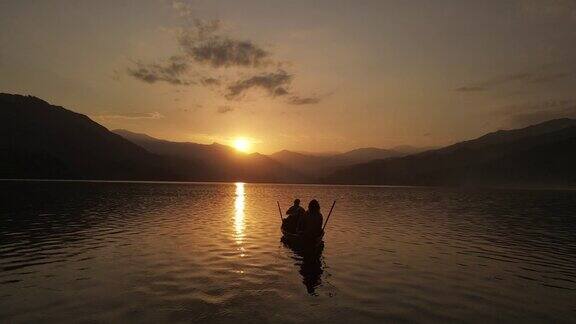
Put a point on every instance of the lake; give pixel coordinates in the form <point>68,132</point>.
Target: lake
<point>211,253</point>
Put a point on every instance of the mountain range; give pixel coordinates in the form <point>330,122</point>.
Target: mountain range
<point>541,154</point>
<point>323,165</point>
<point>40,140</point>
<point>218,162</point>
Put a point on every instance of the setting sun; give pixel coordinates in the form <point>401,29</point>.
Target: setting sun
<point>242,145</point>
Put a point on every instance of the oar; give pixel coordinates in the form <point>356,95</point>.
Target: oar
<point>327,218</point>
<point>279,210</point>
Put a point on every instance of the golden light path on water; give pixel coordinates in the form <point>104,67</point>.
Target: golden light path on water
<point>239,225</point>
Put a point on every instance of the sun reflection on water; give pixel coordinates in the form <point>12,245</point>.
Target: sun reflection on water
<point>239,225</point>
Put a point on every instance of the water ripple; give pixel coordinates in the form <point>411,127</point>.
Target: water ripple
<point>134,252</point>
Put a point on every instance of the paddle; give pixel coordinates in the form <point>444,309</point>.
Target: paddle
<point>279,210</point>
<point>327,218</point>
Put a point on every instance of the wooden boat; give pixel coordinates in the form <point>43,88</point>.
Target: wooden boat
<point>300,240</point>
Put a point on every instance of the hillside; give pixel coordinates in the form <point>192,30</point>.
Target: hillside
<point>222,162</point>
<point>536,155</point>
<point>39,140</point>
<point>322,165</point>
<point>42,141</point>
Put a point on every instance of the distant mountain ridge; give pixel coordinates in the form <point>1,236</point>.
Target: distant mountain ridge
<point>43,141</point>
<point>323,165</point>
<point>309,166</point>
<point>221,162</point>
<point>502,157</point>
<point>39,140</point>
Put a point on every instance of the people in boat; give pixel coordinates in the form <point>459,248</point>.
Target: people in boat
<point>294,213</point>
<point>310,224</point>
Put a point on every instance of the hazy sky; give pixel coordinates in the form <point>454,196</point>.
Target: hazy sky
<point>302,75</point>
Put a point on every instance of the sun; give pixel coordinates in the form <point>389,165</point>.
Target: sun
<point>241,144</point>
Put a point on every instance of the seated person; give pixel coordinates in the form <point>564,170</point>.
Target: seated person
<point>310,224</point>
<point>294,214</point>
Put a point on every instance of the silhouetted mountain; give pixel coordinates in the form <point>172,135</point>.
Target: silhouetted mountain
<point>409,149</point>
<point>508,136</point>
<point>39,140</point>
<point>222,163</point>
<point>308,164</point>
<point>538,154</point>
<point>367,154</point>
<point>321,153</point>
<point>322,165</point>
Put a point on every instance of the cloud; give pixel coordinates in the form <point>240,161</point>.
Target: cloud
<point>296,100</point>
<point>225,109</point>
<point>171,71</point>
<point>210,81</point>
<point>202,43</point>
<point>191,108</point>
<point>131,116</point>
<point>274,83</point>
<point>206,50</point>
<point>204,46</point>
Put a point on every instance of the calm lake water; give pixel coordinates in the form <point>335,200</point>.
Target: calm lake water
<point>159,252</point>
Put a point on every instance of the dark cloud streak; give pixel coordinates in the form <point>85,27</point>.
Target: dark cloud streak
<point>205,47</point>
<point>210,81</point>
<point>274,83</point>
<point>296,100</point>
<point>225,109</point>
<point>220,52</point>
<point>171,71</point>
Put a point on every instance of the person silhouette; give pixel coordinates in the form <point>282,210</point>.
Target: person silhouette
<point>308,250</point>
<point>295,212</point>
<point>310,225</point>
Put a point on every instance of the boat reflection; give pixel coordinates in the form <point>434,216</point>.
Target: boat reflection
<point>309,259</point>
<point>239,225</point>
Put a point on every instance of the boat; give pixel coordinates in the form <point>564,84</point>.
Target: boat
<point>298,240</point>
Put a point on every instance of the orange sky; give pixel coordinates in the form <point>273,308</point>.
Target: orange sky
<point>322,76</point>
